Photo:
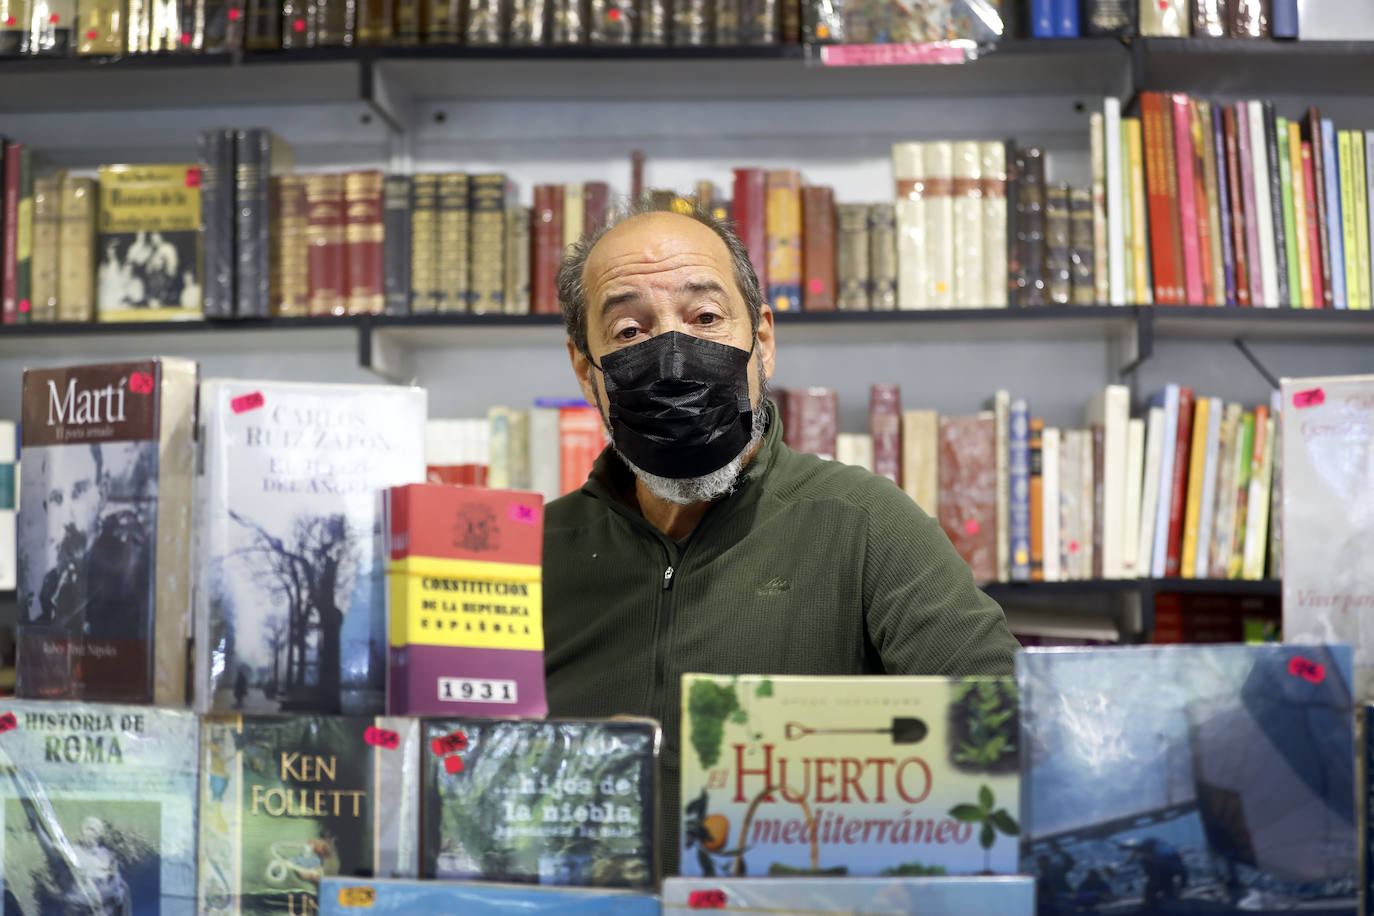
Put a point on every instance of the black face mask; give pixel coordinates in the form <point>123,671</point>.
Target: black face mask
<point>679,405</point>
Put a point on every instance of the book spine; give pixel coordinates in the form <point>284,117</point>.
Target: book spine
<point>290,283</point>
<point>1208,202</point>
<point>1178,490</point>
<point>1284,19</point>
<point>818,249</point>
<point>761,22</point>
<point>1197,462</point>
<point>336,23</point>
<point>100,27</point>
<point>1014,274</point>
<point>1089,541</point>
<point>1250,19</point>
<point>1140,236</point>
<point>966,514</point>
<point>440,21</point>
<point>325,258</point>
<point>1035,453</point>
<point>1335,239</point>
<point>216,26</point>
<point>1084,266</point>
<point>1108,18</point>
<point>939,231</point>
<point>1018,466</point>
<point>252,174</point>
<point>1207,509</point>
<point>365,242</point>
<point>1001,408</point>
<point>547,248</point>
<point>784,224</point>
<point>1235,182</point>
<point>882,257</point>
<point>1131,491</point>
<point>1050,508</point>
<point>967,206</point>
<point>424,243</point>
<point>487,245</point>
<point>517,261</point>
<point>1315,225</point>
<point>76,251</point>
<point>1161,241</point>
<point>1030,228</point>
<point>376,22</point>
<point>750,218</point>
<point>1164,18</point>
<point>1111,262</point>
<point>396,244</point>
<point>1209,18</point>
<point>1279,240</point>
<point>1099,197</point>
<point>691,23</point>
<point>595,201</point>
<point>46,221</point>
<point>23,279</point>
<point>1368,144</point>
<point>1253,196</point>
<point>1359,203</point>
<point>1187,200</point>
<point>217,221</point>
<point>262,30</point>
<point>454,243</point>
<point>726,14</point>
<point>1301,203</point>
<point>1150,489</point>
<point>908,167</point>
<point>1289,204</point>
<point>573,217</point>
<point>1316,157</point>
<point>885,426</point>
<point>1065,18</point>
<point>1224,233</point>
<point>1098,443</point>
<point>1257,513</point>
<point>9,259</point>
<point>851,258</point>
<point>1042,18</point>
<point>1057,227</point>
<point>1128,240</point>
<point>1241,495</point>
<point>407,27</point>
<point>1348,246</point>
<point>1225,499</point>
<point>993,179</point>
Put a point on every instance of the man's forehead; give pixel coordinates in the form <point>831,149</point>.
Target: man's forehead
<point>649,241</point>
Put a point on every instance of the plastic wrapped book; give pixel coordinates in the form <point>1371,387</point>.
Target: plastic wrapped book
<point>1005,896</point>
<point>348,896</point>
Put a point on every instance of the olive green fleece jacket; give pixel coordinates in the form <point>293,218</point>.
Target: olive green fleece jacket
<point>809,567</point>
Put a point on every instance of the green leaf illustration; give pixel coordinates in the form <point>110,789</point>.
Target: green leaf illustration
<point>985,798</point>
<point>1005,822</point>
<point>969,814</point>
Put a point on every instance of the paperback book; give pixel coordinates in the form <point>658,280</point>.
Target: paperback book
<point>287,800</point>
<point>796,776</point>
<point>290,600</point>
<point>346,896</point>
<point>98,804</point>
<point>893,896</point>
<point>149,243</point>
<point>558,802</point>
<point>1189,779</point>
<point>104,556</point>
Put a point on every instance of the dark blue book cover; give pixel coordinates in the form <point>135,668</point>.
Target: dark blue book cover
<point>1189,779</point>
<point>1334,233</point>
<point>1065,18</point>
<point>1018,466</point>
<point>1042,18</point>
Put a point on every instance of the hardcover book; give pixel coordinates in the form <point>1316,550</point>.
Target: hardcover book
<point>466,605</point>
<point>258,156</point>
<point>104,558</point>
<point>289,271</point>
<point>1240,767</point>
<point>364,240</point>
<point>98,807</point>
<point>149,237</point>
<point>47,202</point>
<point>215,152</point>
<point>325,250</point>
<point>808,776</point>
<point>882,257</point>
<point>913,273</point>
<point>452,237</point>
<point>784,227</point>
<point>76,252</point>
<point>894,896</point>
<point>487,273</point>
<point>287,800</point>
<point>396,219</point>
<point>424,229</point>
<point>557,802</point>
<point>968,490</point>
<point>517,267</point>
<point>851,257</point>
<point>344,896</point>
<point>290,599</point>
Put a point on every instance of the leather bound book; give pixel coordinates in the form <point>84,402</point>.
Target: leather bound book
<point>452,231</point>
<point>76,250</point>
<point>882,257</point>
<point>336,23</point>
<point>100,27</point>
<point>784,226</point>
<point>484,25</point>
<point>569,21</point>
<point>396,244</point>
<point>440,22</point>
<point>212,26</point>
<point>1210,18</point>
<point>596,197</point>
<point>937,244</point>
<point>818,249</point>
<point>574,219</point>
<point>885,426</point>
<point>215,155</point>
<point>1108,18</point>
<point>727,15</point>
<point>1031,287</point>
<point>297,29</point>
<point>263,25</point>
<point>290,272</point>
<point>364,238</point>
<point>611,22</point>
<point>487,242</point>
<point>47,208</point>
<point>1081,245</point>
<point>993,181</point>
<point>811,422</point>
<point>851,257</point>
<point>760,21</point>
<point>655,19</point>
<point>1249,19</point>
<point>376,22</point>
<point>1178,488</point>
<point>691,23</point>
<point>547,248</point>
<point>969,257</point>
<point>789,28</point>
<point>258,155</point>
<point>968,491</point>
<point>324,234</point>
<point>517,300</point>
<point>529,23</point>
<point>1057,228</point>
<point>750,218</point>
<point>424,243</point>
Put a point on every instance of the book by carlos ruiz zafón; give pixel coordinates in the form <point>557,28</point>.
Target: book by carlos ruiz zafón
<point>466,606</point>
<point>894,896</point>
<point>287,800</point>
<point>98,808</point>
<point>104,555</point>
<point>349,896</point>
<point>148,238</point>
<point>560,802</point>
<point>795,776</point>
<point>290,599</point>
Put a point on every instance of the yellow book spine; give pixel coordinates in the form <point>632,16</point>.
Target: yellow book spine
<point>1197,463</point>
<point>1140,248</point>
<point>1300,205</point>
<point>1347,182</point>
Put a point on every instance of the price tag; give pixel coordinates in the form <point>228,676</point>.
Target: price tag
<point>706,900</point>
<point>449,744</point>
<point>1312,397</point>
<point>8,722</point>
<point>525,515</point>
<point>140,383</point>
<point>382,737</point>
<point>1306,669</point>
<point>246,402</point>
<point>358,897</point>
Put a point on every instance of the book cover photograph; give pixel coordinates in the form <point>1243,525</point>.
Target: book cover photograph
<point>98,809</point>
<point>291,594</point>
<point>148,240</point>
<point>346,896</point>
<point>798,776</point>
<point>557,802</point>
<point>1240,762</point>
<point>104,556</point>
<point>287,800</point>
<point>889,21</point>
<point>814,896</point>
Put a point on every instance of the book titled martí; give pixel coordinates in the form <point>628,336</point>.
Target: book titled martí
<point>795,776</point>
<point>560,802</point>
<point>104,534</point>
<point>97,808</point>
<point>290,599</point>
<point>287,800</point>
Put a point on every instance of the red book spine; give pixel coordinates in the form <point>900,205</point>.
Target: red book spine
<point>580,441</point>
<point>885,424</point>
<point>1314,138</point>
<point>750,212</point>
<point>1199,133</point>
<point>1248,191</point>
<point>596,196</point>
<point>547,254</point>
<point>325,257</point>
<point>9,269</point>
<point>1157,192</point>
<point>1309,185</point>
<point>1237,198</point>
<point>818,250</point>
<point>1187,200</point>
<point>1178,294</point>
<point>1178,496</point>
<point>814,416</point>
<point>363,242</point>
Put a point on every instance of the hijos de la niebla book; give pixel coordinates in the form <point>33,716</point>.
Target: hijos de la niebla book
<point>845,896</point>
<point>354,896</point>
<point>900,776</point>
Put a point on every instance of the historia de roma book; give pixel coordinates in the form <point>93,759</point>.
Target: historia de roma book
<point>1190,779</point>
<point>288,800</point>
<point>466,607</point>
<point>104,535</point>
<point>350,896</point>
<point>789,776</point>
<point>98,803</point>
<point>843,896</point>
<point>562,802</point>
<point>291,594</point>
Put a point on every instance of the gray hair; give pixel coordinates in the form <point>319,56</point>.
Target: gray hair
<point>572,297</point>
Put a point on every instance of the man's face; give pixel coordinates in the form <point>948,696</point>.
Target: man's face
<point>92,829</point>
<point>73,508</point>
<point>662,272</point>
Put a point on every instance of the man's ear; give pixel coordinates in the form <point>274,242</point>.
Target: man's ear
<point>582,368</point>
<point>767,341</point>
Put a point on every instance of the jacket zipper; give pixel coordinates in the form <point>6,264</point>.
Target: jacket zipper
<point>664,627</point>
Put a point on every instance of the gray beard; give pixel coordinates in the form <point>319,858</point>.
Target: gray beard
<point>684,491</point>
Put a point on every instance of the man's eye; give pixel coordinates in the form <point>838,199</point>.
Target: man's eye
<point>627,333</point>
<point>708,318</point>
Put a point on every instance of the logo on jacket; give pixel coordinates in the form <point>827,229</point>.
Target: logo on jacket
<point>774,586</point>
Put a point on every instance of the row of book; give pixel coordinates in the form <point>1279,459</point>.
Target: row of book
<point>1210,204</point>
<point>792,777</point>
<point>1323,19</point>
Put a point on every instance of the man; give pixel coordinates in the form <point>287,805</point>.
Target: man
<point>700,542</point>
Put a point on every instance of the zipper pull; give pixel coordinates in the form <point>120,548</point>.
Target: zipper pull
<point>668,578</point>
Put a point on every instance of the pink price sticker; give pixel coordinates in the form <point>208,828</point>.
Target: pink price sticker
<point>971,526</point>
<point>246,402</point>
<point>706,900</point>
<point>1306,669</point>
<point>525,515</point>
<point>382,737</point>
<point>1312,397</point>
<point>8,722</point>
<point>140,383</point>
